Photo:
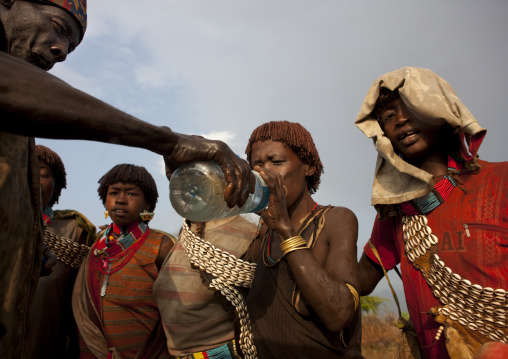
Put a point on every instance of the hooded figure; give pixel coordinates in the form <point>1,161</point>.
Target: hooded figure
<point>447,240</point>
<point>433,100</point>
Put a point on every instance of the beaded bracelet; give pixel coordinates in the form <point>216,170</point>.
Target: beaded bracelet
<point>293,244</point>
<point>356,297</point>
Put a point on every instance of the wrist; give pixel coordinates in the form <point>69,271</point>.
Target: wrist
<point>293,244</point>
<point>166,141</point>
<point>285,232</point>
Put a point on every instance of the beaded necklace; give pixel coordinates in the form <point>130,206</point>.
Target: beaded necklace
<point>114,247</point>
<point>270,235</point>
<point>47,215</point>
<point>439,194</point>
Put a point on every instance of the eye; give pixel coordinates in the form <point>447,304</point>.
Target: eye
<point>277,162</point>
<point>58,27</point>
<point>388,116</point>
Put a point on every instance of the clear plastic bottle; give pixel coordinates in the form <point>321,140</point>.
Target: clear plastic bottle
<point>196,192</point>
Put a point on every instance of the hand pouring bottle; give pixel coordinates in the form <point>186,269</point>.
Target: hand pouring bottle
<point>196,192</point>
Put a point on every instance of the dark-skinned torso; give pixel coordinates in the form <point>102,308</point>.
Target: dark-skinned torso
<point>282,169</point>
<point>319,274</point>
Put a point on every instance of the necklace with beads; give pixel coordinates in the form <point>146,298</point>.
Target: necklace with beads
<point>47,215</point>
<point>439,194</point>
<point>115,251</point>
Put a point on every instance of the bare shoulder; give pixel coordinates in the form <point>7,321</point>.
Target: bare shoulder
<point>342,215</point>
<point>341,211</point>
<point>341,226</point>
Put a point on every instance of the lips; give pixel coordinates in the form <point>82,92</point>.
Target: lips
<point>119,212</point>
<point>41,61</point>
<point>408,137</point>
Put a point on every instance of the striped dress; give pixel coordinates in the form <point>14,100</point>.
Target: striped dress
<point>193,315</point>
<point>128,310</point>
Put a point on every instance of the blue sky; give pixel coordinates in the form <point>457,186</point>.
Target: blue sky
<point>221,68</point>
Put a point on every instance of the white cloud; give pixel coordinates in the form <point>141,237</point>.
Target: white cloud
<point>74,78</point>
<point>225,136</point>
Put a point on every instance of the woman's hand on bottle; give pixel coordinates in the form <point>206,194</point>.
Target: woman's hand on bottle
<point>276,216</point>
<point>237,172</point>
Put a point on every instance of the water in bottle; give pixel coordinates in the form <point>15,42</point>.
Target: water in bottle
<point>196,192</point>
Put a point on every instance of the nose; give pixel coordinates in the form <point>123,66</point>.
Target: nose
<point>402,117</point>
<point>60,50</point>
<point>121,198</point>
<point>264,165</point>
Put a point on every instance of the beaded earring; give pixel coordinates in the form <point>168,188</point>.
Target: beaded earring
<point>106,214</point>
<point>146,216</point>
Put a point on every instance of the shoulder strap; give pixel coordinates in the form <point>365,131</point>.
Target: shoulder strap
<point>319,217</point>
<point>374,250</point>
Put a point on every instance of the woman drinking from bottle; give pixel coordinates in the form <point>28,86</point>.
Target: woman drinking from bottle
<point>303,302</point>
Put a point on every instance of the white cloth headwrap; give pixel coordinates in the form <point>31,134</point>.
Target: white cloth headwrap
<point>433,100</point>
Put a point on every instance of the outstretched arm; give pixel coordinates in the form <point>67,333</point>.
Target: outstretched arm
<point>35,103</point>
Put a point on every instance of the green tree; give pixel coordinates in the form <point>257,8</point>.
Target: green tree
<point>372,304</point>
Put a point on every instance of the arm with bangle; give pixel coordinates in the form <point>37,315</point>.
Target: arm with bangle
<point>328,275</point>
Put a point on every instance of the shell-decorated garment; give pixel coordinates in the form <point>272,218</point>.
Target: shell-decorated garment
<point>193,314</point>
<point>462,249</point>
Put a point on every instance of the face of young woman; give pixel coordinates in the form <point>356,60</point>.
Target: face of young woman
<point>277,157</point>
<point>409,135</point>
<point>124,202</point>
<point>47,183</point>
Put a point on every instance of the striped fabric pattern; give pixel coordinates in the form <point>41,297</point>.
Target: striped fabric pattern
<point>129,311</point>
<point>193,315</point>
<point>77,8</point>
<point>226,351</point>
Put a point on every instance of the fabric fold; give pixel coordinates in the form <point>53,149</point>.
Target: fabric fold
<point>433,100</point>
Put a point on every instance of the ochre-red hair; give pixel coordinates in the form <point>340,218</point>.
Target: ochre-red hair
<point>53,160</point>
<point>298,139</point>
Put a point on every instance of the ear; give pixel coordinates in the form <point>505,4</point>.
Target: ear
<point>309,170</point>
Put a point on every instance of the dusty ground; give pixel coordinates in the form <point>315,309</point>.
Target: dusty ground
<point>380,337</point>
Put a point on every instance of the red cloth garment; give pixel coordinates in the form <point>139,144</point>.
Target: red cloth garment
<point>472,228</point>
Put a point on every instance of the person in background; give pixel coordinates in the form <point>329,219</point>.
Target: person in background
<point>113,300</point>
<point>198,319</point>
<point>442,213</point>
<point>34,35</point>
<point>53,332</point>
<point>303,302</point>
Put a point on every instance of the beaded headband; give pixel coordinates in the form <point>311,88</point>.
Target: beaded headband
<point>77,8</point>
